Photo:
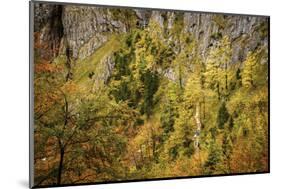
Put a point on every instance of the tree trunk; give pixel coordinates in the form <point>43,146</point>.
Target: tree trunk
<point>204,109</point>
<point>226,83</point>
<point>135,160</point>
<point>141,153</point>
<point>60,165</point>
<point>198,123</point>
<point>218,91</point>
<point>180,77</point>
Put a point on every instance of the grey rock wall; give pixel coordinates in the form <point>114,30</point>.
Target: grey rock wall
<point>243,31</point>
<point>85,29</point>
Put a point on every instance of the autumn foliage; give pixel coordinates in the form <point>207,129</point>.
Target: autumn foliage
<point>160,113</point>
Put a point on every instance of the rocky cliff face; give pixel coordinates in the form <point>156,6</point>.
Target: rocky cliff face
<point>48,29</point>
<point>87,28</point>
<point>245,32</point>
<point>84,29</point>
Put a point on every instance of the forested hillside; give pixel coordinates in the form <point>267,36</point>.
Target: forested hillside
<point>125,94</point>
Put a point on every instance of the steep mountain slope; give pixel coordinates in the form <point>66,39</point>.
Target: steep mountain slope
<point>124,94</point>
